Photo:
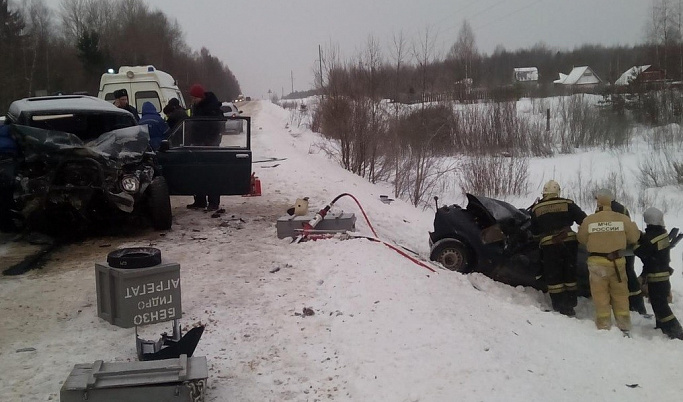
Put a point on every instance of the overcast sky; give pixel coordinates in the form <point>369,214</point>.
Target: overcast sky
<point>265,42</point>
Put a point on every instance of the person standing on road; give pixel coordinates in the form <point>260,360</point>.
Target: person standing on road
<point>653,250</point>
<point>156,125</point>
<point>205,133</point>
<point>635,294</point>
<point>552,218</point>
<point>8,153</point>
<point>174,113</point>
<point>606,234</point>
<point>121,101</point>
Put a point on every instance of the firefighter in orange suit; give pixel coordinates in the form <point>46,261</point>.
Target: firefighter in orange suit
<point>635,298</point>
<point>653,250</point>
<point>551,219</point>
<point>606,235</point>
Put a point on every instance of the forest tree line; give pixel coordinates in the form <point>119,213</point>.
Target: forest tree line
<point>405,68</point>
<point>48,52</point>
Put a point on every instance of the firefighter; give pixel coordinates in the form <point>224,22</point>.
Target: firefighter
<point>606,235</point>
<point>653,250</point>
<point>635,294</point>
<point>552,218</point>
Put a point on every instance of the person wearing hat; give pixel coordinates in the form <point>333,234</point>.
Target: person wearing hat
<point>653,250</point>
<point>635,299</point>
<point>174,113</point>
<point>606,234</point>
<point>121,101</point>
<point>551,218</point>
<point>205,132</point>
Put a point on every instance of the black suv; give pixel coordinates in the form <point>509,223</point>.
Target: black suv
<point>82,161</point>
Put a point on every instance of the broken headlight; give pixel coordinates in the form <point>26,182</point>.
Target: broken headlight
<point>130,184</point>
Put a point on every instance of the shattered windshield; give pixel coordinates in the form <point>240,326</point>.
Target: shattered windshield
<point>123,145</point>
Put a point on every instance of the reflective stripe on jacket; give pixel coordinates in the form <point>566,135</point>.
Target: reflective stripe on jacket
<point>653,250</point>
<point>554,216</point>
<point>607,231</point>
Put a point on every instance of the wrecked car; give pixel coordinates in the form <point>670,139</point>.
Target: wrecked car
<point>494,238</point>
<point>81,162</point>
<point>81,158</point>
<point>61,180</point>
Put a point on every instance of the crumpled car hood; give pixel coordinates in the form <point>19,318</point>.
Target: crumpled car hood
<point>499,210</point>
<point>114,148</point>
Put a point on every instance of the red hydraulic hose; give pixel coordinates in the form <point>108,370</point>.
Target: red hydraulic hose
<point>321,214</point>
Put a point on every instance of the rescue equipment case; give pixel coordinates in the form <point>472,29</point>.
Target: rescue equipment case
<point>334,222</point>
<point>181,379</point>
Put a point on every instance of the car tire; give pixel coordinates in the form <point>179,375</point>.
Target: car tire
<point>134,257</point>
<point>159,204</point>
<point>454,256</point>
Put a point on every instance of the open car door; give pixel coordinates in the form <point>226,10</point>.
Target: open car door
<point>207,156</point>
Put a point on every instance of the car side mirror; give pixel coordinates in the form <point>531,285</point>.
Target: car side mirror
<point>164,146</point>
<point>241,111</point>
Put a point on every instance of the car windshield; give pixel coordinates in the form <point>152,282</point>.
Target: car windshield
<point>87,126</point>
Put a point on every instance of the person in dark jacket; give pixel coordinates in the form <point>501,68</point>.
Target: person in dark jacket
<point>635,298</point>
<point>653,250</point>
<point>8,152</point>
<point>121,101</point>
<point>174,113</point>
<point>157,126</point>
<point>552,218</point>
<point>205,133</point>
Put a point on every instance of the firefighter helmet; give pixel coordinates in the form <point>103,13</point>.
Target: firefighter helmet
<point>604,197</point>
<point>653,216</point>
<point>551,187</point>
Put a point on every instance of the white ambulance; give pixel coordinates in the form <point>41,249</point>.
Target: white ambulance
<point>143,83</point>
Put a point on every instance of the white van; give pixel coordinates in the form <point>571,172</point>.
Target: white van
<point>143,83</point>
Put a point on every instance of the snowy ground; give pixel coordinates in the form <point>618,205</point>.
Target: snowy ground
<point>384,328</point>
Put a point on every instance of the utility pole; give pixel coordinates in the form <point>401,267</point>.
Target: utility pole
<point>320,61</point>
<point>291,74</point>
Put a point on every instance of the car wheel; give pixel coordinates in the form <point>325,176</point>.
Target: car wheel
<point>134,257</point>
<point>453,256</point>
<point>159,203</point>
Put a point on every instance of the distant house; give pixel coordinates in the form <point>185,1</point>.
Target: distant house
<point>642,74</point>
<point>525,74</point>
<point>579,76</point>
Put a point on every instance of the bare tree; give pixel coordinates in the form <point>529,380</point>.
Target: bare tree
<point>398,52</point>
<point>424,52</point>
<point>464,50</point>
<point>39,30</point>
<point>663,29</point>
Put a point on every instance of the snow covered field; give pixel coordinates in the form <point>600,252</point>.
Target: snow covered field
<point>384,328</point>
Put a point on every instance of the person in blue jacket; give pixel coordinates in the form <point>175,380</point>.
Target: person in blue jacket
<point>156,124</point>
<point>8,147</point>
<point>8,151</point>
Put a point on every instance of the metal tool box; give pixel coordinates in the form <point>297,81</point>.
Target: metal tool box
<point>170,380</point>
<point>337,222</point>
<point>140,296</point>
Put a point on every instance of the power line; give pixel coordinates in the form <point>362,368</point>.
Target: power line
<point>452,27</point>
<point>457,12</point>
<point>508,15</point>
<point>487,9</point>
